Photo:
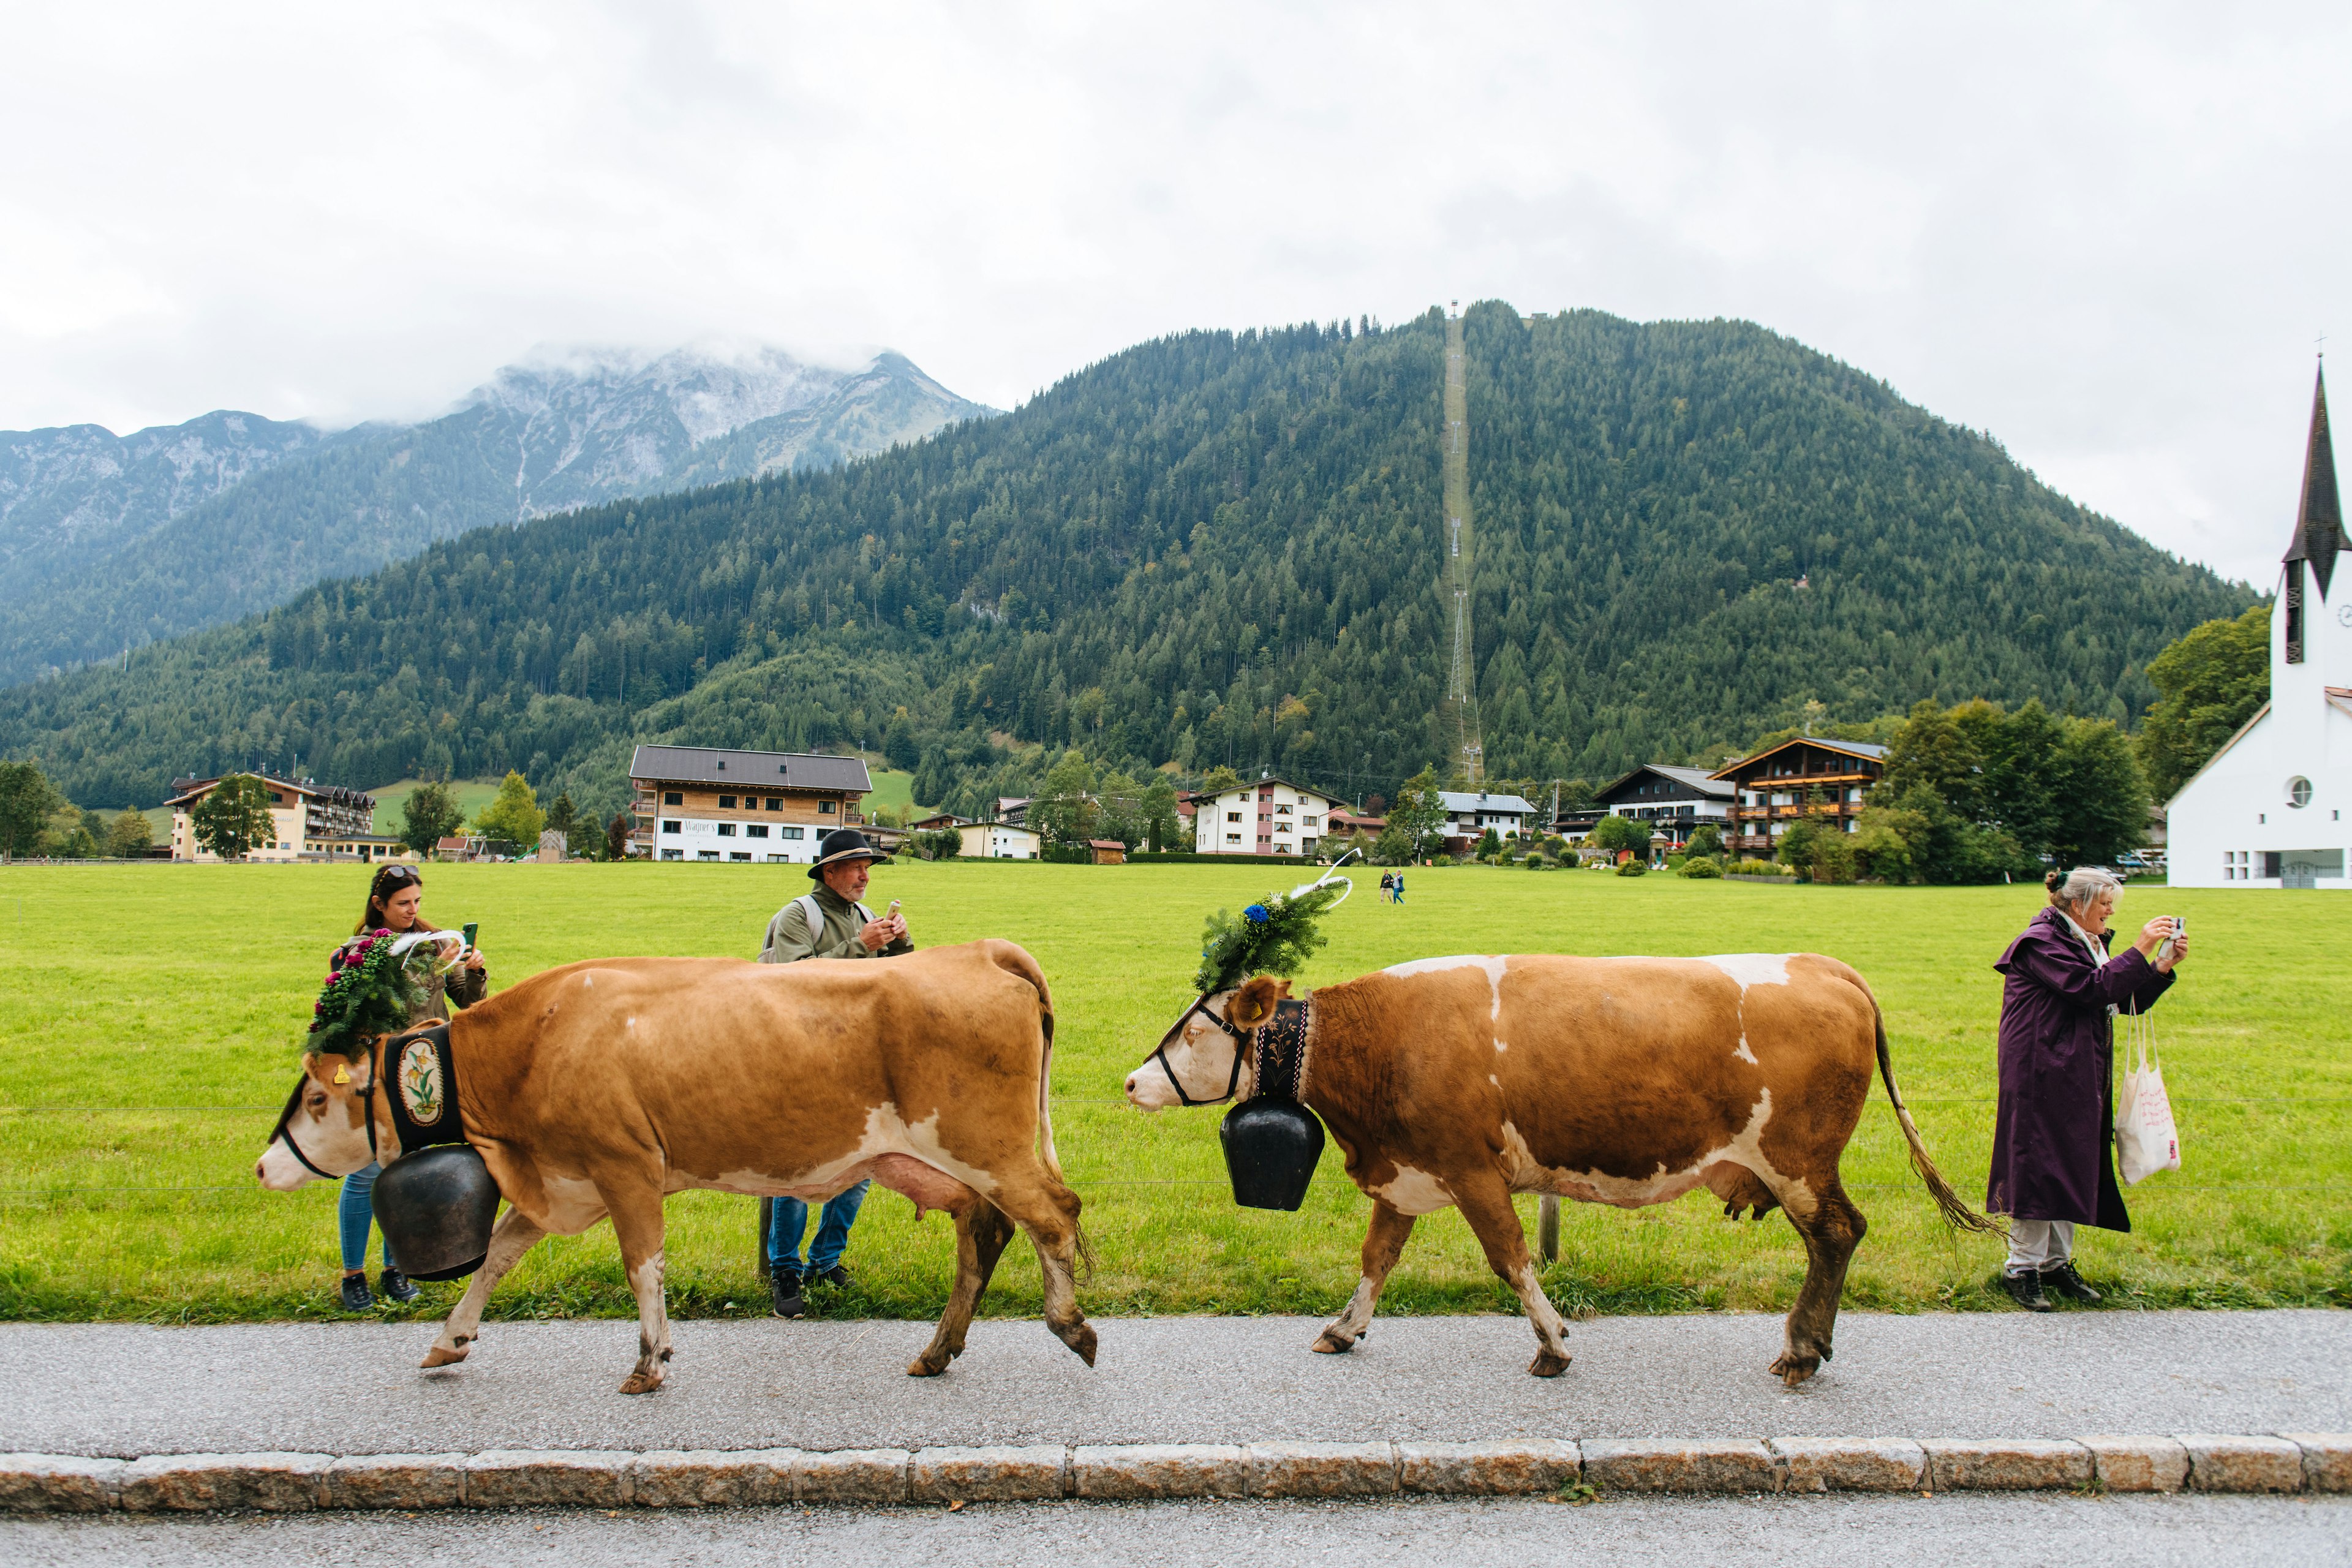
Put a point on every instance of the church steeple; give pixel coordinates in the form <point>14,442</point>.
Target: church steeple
<point>2319,518</point>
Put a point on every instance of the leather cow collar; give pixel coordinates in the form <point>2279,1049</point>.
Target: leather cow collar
<point>1283,1043</point>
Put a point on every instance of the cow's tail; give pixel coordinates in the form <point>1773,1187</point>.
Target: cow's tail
<point>1956,1214</point>
<point>1016,959</point>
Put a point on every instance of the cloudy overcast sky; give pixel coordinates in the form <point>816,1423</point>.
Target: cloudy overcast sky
<point>2108,235</point>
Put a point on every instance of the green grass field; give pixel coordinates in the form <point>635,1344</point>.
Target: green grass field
<point>151,1015</point>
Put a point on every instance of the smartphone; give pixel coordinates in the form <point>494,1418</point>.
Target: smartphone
<point>471,926</point>
<point>894,910</point>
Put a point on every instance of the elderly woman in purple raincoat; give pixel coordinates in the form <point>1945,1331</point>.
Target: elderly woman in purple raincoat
<point>2053,1146</point>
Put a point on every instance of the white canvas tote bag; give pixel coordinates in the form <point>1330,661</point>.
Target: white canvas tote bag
<point>2146,1141</point>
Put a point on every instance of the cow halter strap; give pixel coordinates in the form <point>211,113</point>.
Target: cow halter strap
<point>285,1128</point>
<point>1241,1040</point>
<point>1281,1046</point>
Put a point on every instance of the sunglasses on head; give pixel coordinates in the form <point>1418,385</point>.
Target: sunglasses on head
<point>397,877</point>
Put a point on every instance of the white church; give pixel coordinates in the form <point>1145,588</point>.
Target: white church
<point>2268,810</point>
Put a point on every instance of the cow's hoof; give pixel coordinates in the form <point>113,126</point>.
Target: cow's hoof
<point>1548,1364</point>
<point>929,1365</point>
<point>437,1356</point>
<point>1083,1341</point>
<point>1793,1370</point>
<point>1331,1342</point>
<point>641,1383</point>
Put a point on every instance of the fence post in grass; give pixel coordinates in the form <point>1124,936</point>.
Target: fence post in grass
<point>1547,1228</point>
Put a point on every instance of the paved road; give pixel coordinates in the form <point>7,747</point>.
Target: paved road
<point>354,1388</point>
<point>1624,1532</point>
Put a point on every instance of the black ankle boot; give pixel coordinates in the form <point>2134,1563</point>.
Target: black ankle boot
<point>2025,1290</point>
<point>2064,1281</point>
<point>784,1291</point>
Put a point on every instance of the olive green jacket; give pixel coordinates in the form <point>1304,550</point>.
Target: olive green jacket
<point>790,940</point>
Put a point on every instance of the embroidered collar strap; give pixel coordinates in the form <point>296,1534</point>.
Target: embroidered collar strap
<point>1284,1044</point>
<point>422,1088</point>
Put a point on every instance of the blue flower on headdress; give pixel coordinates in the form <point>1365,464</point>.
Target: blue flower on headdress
<point>1255,914</point>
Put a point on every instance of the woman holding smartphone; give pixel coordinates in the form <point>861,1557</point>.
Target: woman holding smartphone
<point>394,898</point>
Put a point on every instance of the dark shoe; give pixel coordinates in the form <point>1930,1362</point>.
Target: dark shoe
<point>2025,1290</point>
<point>398,1286</point>
<point>784,1291</point>
<point>355,1297</point>
<point>838,1276</point>
<point>2064,1281</point>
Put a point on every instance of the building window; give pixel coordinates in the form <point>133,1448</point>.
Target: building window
<point>2298,791</point>
<point>740,854</point>
<point>670,826</point>
<point>672,797</point>
<point>1282,810</point>
<point>726,830</point>
<point>726,803</point>
<point>756,830</point>
<point>824,808</point>
<point>1233,838</point>
<point>1232,816</point>
<point>775,804</point>
<point>792,833</point>
<point>673,854</point>
<point>780,860</point>
<point>706,854</point>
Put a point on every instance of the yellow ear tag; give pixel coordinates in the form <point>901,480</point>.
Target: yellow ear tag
<point>342,1074</point>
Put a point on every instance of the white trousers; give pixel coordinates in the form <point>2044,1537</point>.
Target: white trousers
<point>2038,1244</point>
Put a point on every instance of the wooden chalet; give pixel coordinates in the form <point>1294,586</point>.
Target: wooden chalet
<point>1805,777</point>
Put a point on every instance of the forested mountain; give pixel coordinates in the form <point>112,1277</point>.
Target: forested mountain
<point>108,544</point>
<point>1213,548</point>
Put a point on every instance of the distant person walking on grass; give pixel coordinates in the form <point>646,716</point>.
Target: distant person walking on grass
<point>393,897</point>
<point>826,923</point>
<point>1396,890</point>
<point>2053,1146</point>
<point>1387,886</point>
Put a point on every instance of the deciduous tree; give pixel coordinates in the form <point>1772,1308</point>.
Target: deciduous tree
<point>234,816</point>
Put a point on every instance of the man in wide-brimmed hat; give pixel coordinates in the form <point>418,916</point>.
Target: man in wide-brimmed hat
<point>827,923</point>
<point>830,922</point>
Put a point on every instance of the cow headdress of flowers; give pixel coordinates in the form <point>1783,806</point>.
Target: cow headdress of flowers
<point>1275,937</point>
<point>381,980</point>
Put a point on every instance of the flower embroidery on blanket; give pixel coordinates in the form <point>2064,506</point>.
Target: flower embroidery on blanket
<point>420,1081</point>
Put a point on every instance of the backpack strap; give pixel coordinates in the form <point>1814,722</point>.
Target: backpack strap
<point>815,915</point>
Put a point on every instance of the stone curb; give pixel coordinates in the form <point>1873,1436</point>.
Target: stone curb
<point>712,1477</point>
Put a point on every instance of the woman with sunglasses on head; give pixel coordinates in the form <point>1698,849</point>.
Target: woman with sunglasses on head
<point>393,897</point>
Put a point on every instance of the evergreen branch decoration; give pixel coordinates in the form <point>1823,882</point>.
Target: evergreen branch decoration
<point>373,994</point>
<point>1277,937</point>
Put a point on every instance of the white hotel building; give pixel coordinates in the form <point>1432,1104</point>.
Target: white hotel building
<point>704,803</point>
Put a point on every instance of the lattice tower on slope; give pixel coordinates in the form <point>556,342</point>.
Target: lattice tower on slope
<point>1462,675</point>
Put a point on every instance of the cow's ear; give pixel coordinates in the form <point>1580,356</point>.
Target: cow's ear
<point>1252,1004</point>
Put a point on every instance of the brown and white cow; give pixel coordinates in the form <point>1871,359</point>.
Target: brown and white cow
<point>599,1087</point>
<point>1616,1080</point>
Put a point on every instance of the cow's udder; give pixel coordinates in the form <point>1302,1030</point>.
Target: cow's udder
<point>928,1187</point>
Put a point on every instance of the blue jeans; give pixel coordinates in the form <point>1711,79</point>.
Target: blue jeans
<point>790,1218</point>
<point>354,1214</point>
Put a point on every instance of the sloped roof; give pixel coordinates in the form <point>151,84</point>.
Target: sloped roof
<point>1870,749</point>
<point>1457,800</point>
<point>753,770</point>
<point>2319,513</point>
<point>1699,779</point>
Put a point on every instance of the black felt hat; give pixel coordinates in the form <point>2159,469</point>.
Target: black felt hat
<point>843,843</point>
